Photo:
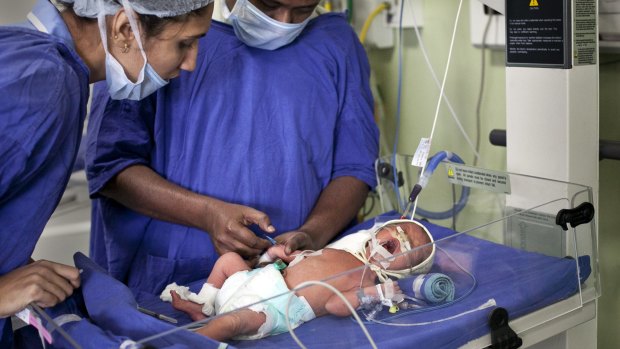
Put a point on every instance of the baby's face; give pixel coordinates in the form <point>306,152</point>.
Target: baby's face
<point>401,240</point>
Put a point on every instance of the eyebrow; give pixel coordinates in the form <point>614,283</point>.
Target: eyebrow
<point>198,36</point>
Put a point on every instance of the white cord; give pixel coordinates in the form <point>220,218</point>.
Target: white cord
<point>489,303</point>
<point>445,97</point>
<point>441,93</point>
<point>346,302</point>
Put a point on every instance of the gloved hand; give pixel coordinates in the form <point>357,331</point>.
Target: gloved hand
<point>228,229</point>
<point>43,282</point>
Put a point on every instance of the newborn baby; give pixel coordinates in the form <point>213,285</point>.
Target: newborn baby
<point>389,250</point>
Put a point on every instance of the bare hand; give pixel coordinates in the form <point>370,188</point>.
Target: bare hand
<point>43,282</point>
<point>278,252</point>
<point>229,231</point>
<point>295,240</point>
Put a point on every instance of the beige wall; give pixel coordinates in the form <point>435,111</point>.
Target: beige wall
<point>418,108</point>
<point>609,203</point>
<point>12,11</point>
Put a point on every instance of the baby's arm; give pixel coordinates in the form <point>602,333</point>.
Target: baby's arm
<point>228,264</point>
<point>336,306</point>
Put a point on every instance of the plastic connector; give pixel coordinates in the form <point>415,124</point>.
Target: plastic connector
<point>415,192</point>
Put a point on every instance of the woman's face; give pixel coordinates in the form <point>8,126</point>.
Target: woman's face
<point>176,47</point>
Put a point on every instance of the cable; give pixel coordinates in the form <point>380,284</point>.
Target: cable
<point>340,295</point>
<point>481,91</point>
<point>431,165</point>
<point>365,213</point>
<point>457,266</point>
<point>443,85</point>
<point>54,325</point>
<point>445,97</point>
<point>489,303</point>
<point>398,100</point>
<point>380,8</point>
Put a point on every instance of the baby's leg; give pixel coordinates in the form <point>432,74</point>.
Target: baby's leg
<point>227,326</point>
<point>194,310</point>
<point>228,264</point>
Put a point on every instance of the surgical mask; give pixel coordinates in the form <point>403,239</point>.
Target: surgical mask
<point>119,85</point>
<point>256,29</point>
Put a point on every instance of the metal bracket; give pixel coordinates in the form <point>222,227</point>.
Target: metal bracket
<point>575,216</point>
<point>385,171</point>
<point>502,336</point>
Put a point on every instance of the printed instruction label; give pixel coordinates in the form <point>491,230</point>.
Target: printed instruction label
<point>584,32</point>
<point>475,177</point>
<point>421,154</point>
<point>537,33</point>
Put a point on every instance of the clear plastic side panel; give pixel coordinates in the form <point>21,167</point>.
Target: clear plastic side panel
<point>393,282</point>
<point>516,211</point>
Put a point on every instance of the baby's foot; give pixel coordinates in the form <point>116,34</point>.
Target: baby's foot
<point>194,310</point>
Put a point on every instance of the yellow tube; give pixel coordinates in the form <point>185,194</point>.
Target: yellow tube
<point>328,5</point>
<point>380,8</point>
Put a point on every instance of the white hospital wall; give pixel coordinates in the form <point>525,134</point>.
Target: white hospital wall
<point>609,205</point>
<point>419,98</point>
<point>12,11</point>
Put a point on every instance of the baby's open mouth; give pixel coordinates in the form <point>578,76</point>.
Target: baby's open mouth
<point>390,245</point>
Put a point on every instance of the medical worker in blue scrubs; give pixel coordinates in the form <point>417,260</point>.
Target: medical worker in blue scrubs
<point>46,65</point>
<point>273,134</point>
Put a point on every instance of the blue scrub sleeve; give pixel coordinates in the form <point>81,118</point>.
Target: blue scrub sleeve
<point>120,134</point>
<point>12,166</point>
<point>31,131</point>
<point>357,134</point>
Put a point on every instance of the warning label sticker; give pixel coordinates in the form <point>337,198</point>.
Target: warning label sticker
<point>480,178</point>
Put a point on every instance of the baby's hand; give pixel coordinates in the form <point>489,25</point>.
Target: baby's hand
<point>396,288</point>
<point>386,291</point>
<point>275,252</point>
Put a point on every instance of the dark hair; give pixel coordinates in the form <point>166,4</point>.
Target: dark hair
<point>153,25</point>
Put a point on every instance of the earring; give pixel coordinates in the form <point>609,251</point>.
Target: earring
<point>115,37</point>
<point>125,48</point>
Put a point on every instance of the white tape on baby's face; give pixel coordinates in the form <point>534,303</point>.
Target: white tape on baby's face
<point>404,240</point>
<point>376,248</point>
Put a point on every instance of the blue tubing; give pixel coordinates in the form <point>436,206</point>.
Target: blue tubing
<point>430,168</point>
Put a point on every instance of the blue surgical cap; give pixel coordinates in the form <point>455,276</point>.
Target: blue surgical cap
<point>167,8</point>
<point>159,8</point>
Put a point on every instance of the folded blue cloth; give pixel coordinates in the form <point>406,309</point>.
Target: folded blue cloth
<point>433,288</point>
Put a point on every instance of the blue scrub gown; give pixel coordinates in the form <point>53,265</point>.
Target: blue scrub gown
<point>266,129</point>
<point>43,96</point>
